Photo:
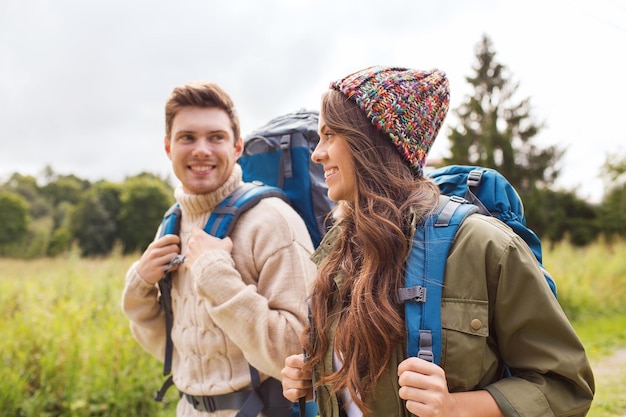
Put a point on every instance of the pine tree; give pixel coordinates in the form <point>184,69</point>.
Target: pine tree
<point>495,131</point>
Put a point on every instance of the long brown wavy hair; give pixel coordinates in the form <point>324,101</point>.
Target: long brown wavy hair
<point>370,255</point>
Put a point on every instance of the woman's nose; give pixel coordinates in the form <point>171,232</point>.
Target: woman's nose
<point>318,153</point>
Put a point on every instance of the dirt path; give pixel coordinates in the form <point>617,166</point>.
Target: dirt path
<point>610,376</point>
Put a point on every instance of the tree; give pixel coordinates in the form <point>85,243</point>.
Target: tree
<point>613,208</point>
<point>144,200</point>
<point>27,187</point>
<point>94,221</point>
<point>496,132</point>
<point>92,226</point>
<point>64,188</point>
<point>14,219</point>
<point>557,215</point>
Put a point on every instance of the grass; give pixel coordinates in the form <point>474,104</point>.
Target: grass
<point>67,350</point>
<point>601,337</point>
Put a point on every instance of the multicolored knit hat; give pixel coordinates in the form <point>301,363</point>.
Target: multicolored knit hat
<point>409,105</point>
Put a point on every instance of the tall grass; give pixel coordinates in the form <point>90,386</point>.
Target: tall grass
<point>590,281</point>
<point>66,346</point>
<point>67,350</point>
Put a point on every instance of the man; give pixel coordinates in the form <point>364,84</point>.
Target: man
<point>238,301</point>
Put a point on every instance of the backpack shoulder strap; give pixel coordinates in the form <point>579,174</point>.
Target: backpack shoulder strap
<point>246,196</point>
<point>170,225</point>
<point>424,276</point>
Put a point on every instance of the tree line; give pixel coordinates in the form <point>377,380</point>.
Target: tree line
<point>55,214</point>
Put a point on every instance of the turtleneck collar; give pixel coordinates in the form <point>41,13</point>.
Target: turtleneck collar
<point>194,204</point>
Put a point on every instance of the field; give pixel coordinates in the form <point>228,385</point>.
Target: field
<point>67,349</point>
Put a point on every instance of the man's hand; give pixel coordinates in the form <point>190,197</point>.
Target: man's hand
<point>202,242</point>
<point>157,257</point>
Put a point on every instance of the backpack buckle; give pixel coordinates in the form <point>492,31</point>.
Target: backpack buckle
<point>474,177</point>
<point>417,294</point>
<point>426,355</point>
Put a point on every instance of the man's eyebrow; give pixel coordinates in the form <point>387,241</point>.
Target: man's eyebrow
<point>195,131</point>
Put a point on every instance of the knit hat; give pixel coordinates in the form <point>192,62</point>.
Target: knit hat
<point>409,105</point>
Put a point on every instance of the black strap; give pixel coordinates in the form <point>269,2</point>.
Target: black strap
<point>266,397</point>
<point>230,401</point>
<point>171,225</point>
<point>166,385</point>
<point>302,406</point>
<point>165,285</point>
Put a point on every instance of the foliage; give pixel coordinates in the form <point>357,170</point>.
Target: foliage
<point>26,186</point>
<point>67,210</point>
<point>613,212</point>
<point>497,132</point>
<point>93,222</point>
<point>613,209</point>
<point>559,215</point>
<point>614,168</point>
<point>14,218</point>
<point>144,200</point>
<point>64,188</point>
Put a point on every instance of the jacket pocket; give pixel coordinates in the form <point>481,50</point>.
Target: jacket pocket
<point>465,328</point>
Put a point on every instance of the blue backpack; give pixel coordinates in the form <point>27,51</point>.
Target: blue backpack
<point>279,154</point>
<point>465,190</point>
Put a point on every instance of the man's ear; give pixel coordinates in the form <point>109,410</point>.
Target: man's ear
<point>166,144</point>
<point>238,147</point>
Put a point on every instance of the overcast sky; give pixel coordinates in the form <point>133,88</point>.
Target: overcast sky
<point>83,83</point>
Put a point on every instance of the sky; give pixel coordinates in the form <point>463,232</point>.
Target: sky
<point>83,83</point>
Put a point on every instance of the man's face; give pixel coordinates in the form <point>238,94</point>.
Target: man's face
<point>202,148</point>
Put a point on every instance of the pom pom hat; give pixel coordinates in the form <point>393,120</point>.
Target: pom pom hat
<point>409,105</point>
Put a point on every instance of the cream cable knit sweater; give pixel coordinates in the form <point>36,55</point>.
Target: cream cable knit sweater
<point>229,311</point>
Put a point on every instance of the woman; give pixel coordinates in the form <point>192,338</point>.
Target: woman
<point>376,128</point>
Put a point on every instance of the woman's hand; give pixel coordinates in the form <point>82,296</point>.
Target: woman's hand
<point>424,387</point>
<point>296,382</point>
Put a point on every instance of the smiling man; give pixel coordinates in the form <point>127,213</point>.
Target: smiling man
<point>238,301</point>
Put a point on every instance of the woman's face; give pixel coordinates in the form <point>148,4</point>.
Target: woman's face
<point>334,154</point>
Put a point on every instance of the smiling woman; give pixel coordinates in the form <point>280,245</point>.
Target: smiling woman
<point>377,127</point>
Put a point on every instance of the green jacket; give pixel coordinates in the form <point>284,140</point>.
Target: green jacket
<point>496,309</point>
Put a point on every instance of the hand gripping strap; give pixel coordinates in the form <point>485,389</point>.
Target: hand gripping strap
<point>424,277</point>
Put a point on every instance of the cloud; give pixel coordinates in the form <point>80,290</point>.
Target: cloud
<point>83,84</point>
